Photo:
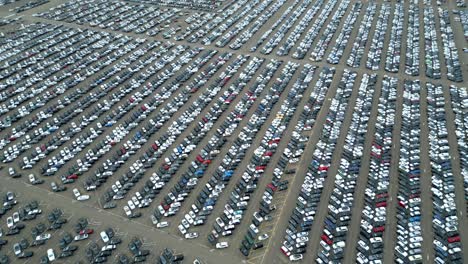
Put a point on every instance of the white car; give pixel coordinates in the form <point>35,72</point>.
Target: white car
<point>108,247</point>
<point>43,237</point>
<point>10,222</point>
<point>295,257</point>
<point>263,237</point>
<point>191,235</point>
<point>254,228</point>
<point>17,249</point>
<point>127,210</point>
<point>182,229</point>
<point>154,220</point>
<point>32,179</point>
<point>78,195</point>
<point>221,245</point>
<point>226,233</point>
<point>50,254</point>
<point>104,237</point>
<point>83,197</point>
<point>162,224</point>
<point>81,237</point>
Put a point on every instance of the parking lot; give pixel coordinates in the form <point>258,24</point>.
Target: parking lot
<point>246,132</point>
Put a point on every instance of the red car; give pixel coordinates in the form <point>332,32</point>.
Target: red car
<point>382,204</point>
<point>402,204</point>
<point>199,158</point>
<point>72,177</point>
<point>326,239</point>
<point>88,231</point>
<point>165,206</point>
<point>453,239</point>
<point>382,195</point>
<point>272,187</point>
<point>323,168</point>
<point>123,151</point>
<point>378,229</point>
<point>285,251</point>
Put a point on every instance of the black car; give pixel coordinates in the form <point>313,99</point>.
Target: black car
<point>26,254</point>
<point>66,254</point>
<point>244,251</point>
<point>257,245</point>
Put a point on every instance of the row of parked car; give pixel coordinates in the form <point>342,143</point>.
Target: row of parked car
<point>412,41</point>
<point>272,28</point>
<point>392,62</point>
<point>360,42</point>
<point>203,27</point>
<point>450,50</point>
<point>447,240</point>
<point>290,156</point>
<point>237,17</point>
<point>409,230</point>
<point>376,49</point>
<point>374,215</point>
<point>312,33</point>
<point>235,30</point>
<point>275,40</point>
<point>459,99</point>
<point>321,46</point>
<point>245,36</point>
<point>432,60</point>
<point>340,206</point>
<point>341,41</point>
<point>301,220</point>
